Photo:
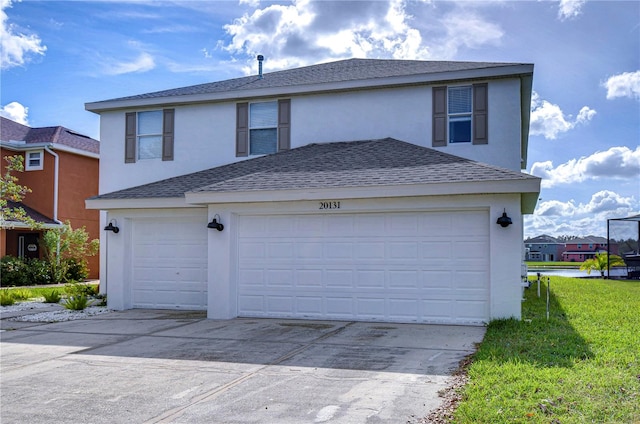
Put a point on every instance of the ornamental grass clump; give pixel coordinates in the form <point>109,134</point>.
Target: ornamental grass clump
<point>52,296</point>
<point>6,299</point>
<point>76,303</point>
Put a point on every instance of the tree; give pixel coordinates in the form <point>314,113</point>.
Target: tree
<point>67,251</point>
<point>599,263</point>
<point>11,191</point>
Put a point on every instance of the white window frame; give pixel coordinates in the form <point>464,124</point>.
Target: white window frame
<point>269,127</point>
<point>140,135</point>
<point>459,116</point>
<point>28,159</point>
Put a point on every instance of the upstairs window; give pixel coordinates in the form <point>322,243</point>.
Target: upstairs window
<point>149,135</point>
<point>459,114</point>
<point>263,128</point>
<point>34,161</point>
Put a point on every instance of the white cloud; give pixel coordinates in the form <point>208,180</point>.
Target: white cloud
<point>466,30</point>
<point>570,8</point>
<point>548,120</point>
<point>16,112</point>
<point>626,84</point>
<point>556,218</point>
<point>616,162</point>
<point>17,47</point>
<point>306,32</point>
<point>143,63</point>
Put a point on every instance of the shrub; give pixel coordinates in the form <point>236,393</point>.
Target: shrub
<point>52,296</point>
<point>76,303</point>
<point>38,271</point>
<point>13,272</point>
<point>6,299</point>
<point>77,269</point>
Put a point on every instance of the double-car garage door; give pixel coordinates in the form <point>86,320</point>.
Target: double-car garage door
<point>427,267</point>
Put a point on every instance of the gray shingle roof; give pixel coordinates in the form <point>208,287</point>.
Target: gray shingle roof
<point>31,213</point>
<point>332,72</point>
<point>13,131</point>
<point>368,163</point>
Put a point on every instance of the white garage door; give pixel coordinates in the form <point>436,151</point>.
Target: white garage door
<point>429,267</point>
<point>169,263</point>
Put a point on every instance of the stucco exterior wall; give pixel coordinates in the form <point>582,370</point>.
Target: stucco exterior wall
<point>205,134</point>
<point>504,266</point>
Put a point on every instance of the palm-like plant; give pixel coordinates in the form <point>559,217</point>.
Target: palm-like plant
<point>599,263</point>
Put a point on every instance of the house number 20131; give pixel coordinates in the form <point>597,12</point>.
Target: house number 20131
<point>329,205</point>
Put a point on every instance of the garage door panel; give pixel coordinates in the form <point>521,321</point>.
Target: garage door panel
<point>415,267</point>
<point>169,263</point>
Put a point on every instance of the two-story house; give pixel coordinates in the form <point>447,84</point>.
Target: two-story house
<point>376,190</point>
<point>61,168</point>
<point>583,248</point>
<point>543,248</point>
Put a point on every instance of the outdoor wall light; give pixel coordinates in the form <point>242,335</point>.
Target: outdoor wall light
<point>215,224</point>
<point>112,227</point>
<point>504,221</point>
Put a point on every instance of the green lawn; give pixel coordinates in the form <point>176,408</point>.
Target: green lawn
<point>581,366</point>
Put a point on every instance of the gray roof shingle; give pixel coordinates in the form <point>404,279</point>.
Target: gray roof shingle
<point>367,163</point>
<point>13,131</point>
<point>332,72</point>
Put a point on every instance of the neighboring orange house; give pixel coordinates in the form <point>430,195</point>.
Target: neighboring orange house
<point>61,169</point>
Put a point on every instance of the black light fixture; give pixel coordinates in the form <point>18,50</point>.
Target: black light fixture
<point>214,224</point>
<point>111,227</point>
<point>504,221</point>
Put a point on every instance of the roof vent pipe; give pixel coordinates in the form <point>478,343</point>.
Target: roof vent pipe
<point>260,59</point>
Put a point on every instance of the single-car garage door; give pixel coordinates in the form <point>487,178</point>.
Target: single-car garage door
<point>429,267</point>
<point>169,263</point>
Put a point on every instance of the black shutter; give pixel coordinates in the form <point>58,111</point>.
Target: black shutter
<point>242,129</point>
<point>480,114</point>
<point>439,123</point>
<point>130,138</point>
<point>284,124</point>
<point>167,133</point>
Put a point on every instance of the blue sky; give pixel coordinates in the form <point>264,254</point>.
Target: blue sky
<point>585,129</point>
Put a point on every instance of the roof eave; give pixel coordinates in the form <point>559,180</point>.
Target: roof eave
<point>137,203</point>
<point>515,70</point>
<point>523,186</point>
<point>24,147</point>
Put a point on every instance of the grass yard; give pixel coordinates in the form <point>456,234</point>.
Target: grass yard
<point>581,366</point>
<point>35,293</point>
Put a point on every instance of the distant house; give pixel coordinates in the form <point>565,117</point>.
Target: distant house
<point>543,248</point>
<point>61,169</point>
<point>363,189</point>
<point>581,249</point>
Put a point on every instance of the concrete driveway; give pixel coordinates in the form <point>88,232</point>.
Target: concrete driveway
<point>144,366</point>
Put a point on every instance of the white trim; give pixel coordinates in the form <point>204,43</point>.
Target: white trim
<point>27,160</point>
<point>10,225</point>
<point>152,203</point>
<point>21,146</point>
<point>529,189</point>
